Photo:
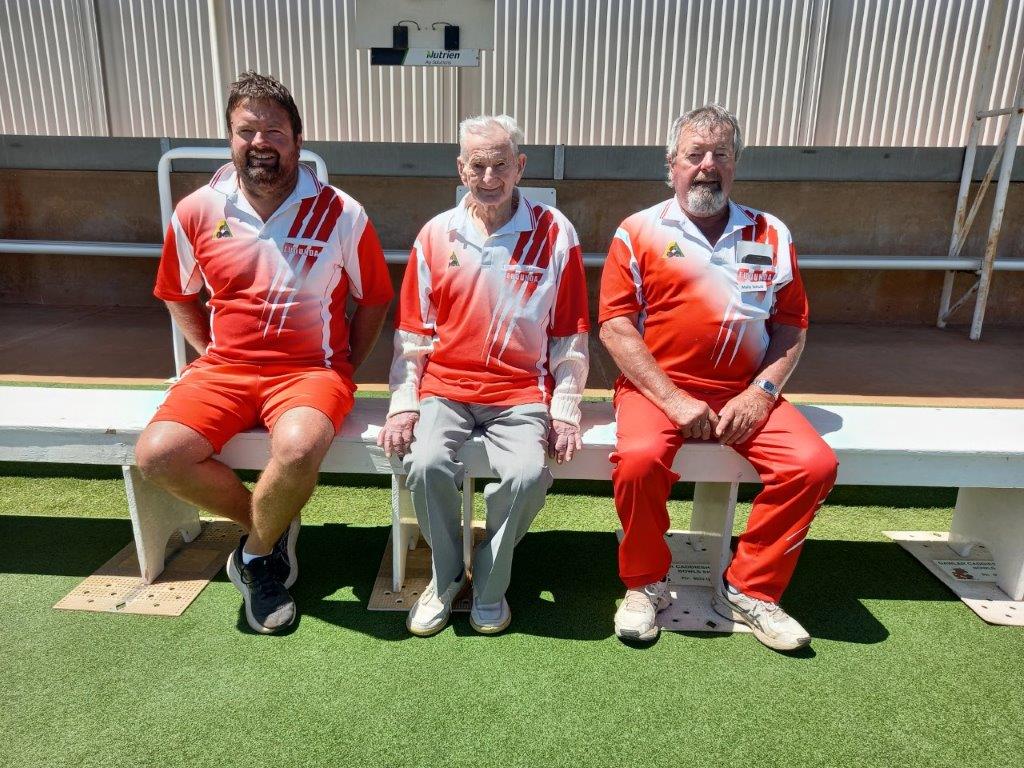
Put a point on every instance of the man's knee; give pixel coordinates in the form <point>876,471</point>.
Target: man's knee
<point>814,465</point>
<point>823,466</point>
<point>639,461</point>
<point>166,450</point>
<point>299,446</point>
<point>428,461</point>
<point>529,475</point>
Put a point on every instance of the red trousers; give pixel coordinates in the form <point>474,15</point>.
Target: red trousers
<point>796,466</point>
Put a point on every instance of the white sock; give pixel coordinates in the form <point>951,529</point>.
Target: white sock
<point>248,557</point>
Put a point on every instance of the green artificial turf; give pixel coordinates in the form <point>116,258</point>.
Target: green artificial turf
<point>900,673</point>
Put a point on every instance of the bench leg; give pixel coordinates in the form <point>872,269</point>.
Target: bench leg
<point>714,507</point>
<point>993,517</point>
<point>405,531</point>
<point>156,514</point>
<point>467,522</point>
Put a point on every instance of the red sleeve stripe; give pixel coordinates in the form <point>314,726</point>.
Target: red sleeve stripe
<point>549,247</point>
<point>517,254</point>
<point>323,202</point>
<point>304,207</point>
<point>330,219</point>
<point>543,225</point>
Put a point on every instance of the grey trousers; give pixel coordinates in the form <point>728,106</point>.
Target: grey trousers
<point>516,440</point>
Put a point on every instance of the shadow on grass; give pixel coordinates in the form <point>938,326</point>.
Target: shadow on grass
<point>564,582</point>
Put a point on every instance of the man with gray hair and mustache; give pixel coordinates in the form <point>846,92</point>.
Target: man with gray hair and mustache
<point>491,336</point>
<point>703,309</point>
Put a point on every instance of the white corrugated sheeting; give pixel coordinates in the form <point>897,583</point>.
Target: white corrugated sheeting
<point>51,81</point>
<point>594,72</point>
<point>903,72</point>
<point>159,65</point>
<point>797,72</point>
<point>341,96</point>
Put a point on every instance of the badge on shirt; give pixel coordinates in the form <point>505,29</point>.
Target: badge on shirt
<point>222,230</point>
<point>453,260</point>
<point>754,267</point>
<point>672,251</point>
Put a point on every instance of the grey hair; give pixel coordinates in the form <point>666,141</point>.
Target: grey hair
<point>706,117</point>
<point>482,125</point>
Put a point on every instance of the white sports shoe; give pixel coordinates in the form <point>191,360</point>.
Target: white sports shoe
<point>430,613</point>
<point>771,625</point>
<point>490,619</point>
<point>636,618</point>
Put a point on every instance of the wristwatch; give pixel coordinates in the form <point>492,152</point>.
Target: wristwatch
<point>767,387</point>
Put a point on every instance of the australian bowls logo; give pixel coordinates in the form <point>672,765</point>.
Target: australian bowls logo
<point>672,251</point>
<point>222,230</point>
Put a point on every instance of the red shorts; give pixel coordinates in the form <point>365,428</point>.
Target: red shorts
<point>218,400</point>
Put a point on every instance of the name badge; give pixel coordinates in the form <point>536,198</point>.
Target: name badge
<point>755,270</point>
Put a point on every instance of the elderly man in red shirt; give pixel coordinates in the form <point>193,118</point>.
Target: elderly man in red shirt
<point>491,335</point>
<point>703,309</point>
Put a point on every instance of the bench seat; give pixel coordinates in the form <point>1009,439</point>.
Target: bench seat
<point>980,451</point>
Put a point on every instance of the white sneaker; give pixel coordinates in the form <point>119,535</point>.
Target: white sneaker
<point>430,613</point>
<point>636,618</point>
<point>771,625</point>
<point>490,619</point>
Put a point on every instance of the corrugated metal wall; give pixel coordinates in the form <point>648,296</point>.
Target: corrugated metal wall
<point>52,80</point>
<point>797,72</point>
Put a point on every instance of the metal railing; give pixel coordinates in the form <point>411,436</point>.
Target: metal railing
<point>889,262</point>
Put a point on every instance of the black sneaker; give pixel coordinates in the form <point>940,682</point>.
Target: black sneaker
<point>286,567</point>
<point>268,606</point>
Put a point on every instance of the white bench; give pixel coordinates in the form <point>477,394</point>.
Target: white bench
<point>979,451</point>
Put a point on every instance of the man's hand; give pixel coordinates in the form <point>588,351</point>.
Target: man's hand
<point>693,417</point>
<point>396,435</point>
<point>742,416</point>
<point>563,440</point>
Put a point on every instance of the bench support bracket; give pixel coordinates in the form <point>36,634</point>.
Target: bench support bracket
<point>714,508</point>
<point>156,515</point>
<point>993,517</point>
<point>405,531</point>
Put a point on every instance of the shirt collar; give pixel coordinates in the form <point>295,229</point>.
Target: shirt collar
<point>225,181</point>
<point>523,220</point>
<point>673,213</point>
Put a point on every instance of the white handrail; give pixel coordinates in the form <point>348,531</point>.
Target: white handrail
<point>163,170</point>
<point>163,180</point>
<point>887,262</point>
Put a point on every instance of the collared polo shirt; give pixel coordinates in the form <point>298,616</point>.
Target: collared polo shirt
<point>491,303</point>
<point>704,310</point>
<point>278,288</point>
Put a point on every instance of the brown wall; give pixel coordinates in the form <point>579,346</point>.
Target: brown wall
<point>825,217</point>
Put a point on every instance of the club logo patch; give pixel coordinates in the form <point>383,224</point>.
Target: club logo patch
<point>222,230</point>
<point>672,251</point>
<point>453,260</point>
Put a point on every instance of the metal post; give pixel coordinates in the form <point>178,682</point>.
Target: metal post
<point>1005,170</point>
<point>212,13</point>
<point>989,48</point>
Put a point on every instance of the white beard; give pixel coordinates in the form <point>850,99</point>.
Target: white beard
<point>705,200</point>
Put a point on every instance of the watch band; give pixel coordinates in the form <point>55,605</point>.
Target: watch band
<point>767,387</point>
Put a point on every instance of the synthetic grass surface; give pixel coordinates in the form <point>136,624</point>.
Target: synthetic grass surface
<point>901,673</point>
